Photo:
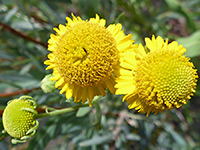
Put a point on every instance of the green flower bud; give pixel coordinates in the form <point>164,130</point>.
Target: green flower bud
<point>47,85</point>
<point>19,119</point>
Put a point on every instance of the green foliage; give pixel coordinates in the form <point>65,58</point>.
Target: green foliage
<point>191,43</point>
<point>108,124</point>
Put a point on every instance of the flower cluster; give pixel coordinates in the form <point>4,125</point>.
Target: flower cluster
<point>87,58</point>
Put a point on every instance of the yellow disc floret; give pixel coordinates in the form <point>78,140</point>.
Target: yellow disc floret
<point>165,79</point>
<point>85,57</point>
<point>19,117</point>
<point>157,78</point>
<point>86,54</point>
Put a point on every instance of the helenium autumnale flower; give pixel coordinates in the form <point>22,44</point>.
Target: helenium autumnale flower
<point>19,119</point>
<point>84,55</point>
<point>156,78</point>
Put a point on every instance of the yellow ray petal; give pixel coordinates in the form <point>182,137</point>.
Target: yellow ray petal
<point>160,42</point>
<point>59,82</point>
<point>64,88</point>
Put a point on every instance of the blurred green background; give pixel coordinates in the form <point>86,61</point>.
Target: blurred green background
<point>25,27</point>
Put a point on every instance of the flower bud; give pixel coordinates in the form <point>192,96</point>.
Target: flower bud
<point>19,119</point>
<point>47,85</point>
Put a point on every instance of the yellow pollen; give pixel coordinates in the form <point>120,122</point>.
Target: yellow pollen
<point>85,54</point>
<point>165,79</point>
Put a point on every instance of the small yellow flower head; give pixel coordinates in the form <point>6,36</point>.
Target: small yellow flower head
<point>19,119</point>
<point>157,78</point>
<point>84,55</point>
<point>47,85</point>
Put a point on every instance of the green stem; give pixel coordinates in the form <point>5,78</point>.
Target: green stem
<point>61,111</point>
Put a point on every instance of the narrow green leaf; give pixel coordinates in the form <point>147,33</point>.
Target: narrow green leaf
<point>25,69</point>
<point>192,44</point>
<point>177,137</point>
<point>97,140</point>
<point>133,137</point>
<point>82,111</point>
<point>5,55</point>
<point>10,14</point>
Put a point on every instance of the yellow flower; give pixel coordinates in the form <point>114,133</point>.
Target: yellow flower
<point>19,119</point>
<point>84,55</point>
<point>159,77</point>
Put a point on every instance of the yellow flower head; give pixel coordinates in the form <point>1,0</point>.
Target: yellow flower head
<point>156,78</point>
<point>19,119</point>
<point>84,55</point>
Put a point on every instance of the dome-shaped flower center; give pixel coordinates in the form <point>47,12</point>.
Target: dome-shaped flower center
<point>165,79</point>
<point>16,121</point>
<point>86,54</point>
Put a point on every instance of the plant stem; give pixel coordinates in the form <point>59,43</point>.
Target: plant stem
<point>21,34</point>
<point>18,92</point>
<point>60,111</point>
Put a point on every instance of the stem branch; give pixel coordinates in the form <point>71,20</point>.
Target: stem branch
<point>18,92</point>
<point>22,35</point>
<point>61,111</point>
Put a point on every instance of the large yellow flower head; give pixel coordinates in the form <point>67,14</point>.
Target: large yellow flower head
<point>156,78</point>
<point>84,55</point>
